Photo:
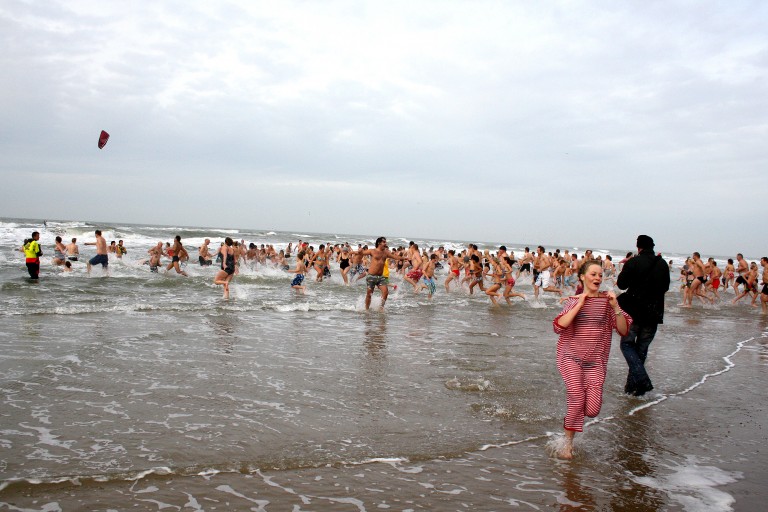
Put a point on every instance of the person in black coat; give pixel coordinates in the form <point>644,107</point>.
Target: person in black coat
<point>645,278</point>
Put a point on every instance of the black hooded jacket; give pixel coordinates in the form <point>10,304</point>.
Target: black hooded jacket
<point>646,279</point>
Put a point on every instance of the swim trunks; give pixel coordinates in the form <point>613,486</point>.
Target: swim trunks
<point>175,259</point>
<point>374,281</point>
<point>72,258</point>
<point>543,280</point>
<point>741,280</point>
<point>456,272</point>
<point>357,269</point>
<point>716,283</point>
<point>58,255</point>
<point>702,279</point>
<point>511,282</point>
<point>415,274</point>
<point>204,262</point>
<point>430,284</point>
<point>525,267</point>
<point>297,280</point>
<point>100,258</point>
<point>765,289</point>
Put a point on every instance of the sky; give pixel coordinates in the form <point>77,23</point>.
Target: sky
<point>561,123</point>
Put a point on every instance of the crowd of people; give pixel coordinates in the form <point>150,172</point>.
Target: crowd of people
<point>493,274</point>
<point>585,324</point>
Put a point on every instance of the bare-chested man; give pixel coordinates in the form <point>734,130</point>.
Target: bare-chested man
<point>751,285</point>
<point>203,255</point>
<point>375,278</point>
<point>543,277</point>
<point>73,252</point>
<point>101,252</point>
<point>417,263</point>
<point>155,254</point>
<point>356,266</point>
<point>524,263</point>
<point>428,279</point>
<point>743,270</point>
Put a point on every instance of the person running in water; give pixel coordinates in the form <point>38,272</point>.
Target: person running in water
<point>375,278</point>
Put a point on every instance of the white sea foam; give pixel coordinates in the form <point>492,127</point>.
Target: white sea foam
<point>694,486</point>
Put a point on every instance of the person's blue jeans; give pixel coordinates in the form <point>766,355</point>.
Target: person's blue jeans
<point>634,346</point>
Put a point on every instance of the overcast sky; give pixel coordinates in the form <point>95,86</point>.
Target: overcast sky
<point>562,123</point>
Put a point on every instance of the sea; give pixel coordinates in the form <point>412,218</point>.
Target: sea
<point>133,390</point>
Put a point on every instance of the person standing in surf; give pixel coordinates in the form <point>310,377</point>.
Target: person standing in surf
<point>73,252</point>
<point>645,278</point>
<point>585,326</point>
<point>101,252</point>
<point>32,253</point>
<point>375,277</point>
<point>204,256</point>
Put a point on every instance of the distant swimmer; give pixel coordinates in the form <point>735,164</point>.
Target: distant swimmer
<point>179,254</point>
<point>73,251</point>
<point>228,264</point>
<point>101,252</point>
<point>32,253</point>
<point>375,278</point>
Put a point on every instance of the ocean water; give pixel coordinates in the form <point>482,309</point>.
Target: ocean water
<point>141,391</point>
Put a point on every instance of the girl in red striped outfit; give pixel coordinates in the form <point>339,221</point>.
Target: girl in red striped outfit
<point>585,326</point>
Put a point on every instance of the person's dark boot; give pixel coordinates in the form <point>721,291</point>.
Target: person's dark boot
<point>643,388</point>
